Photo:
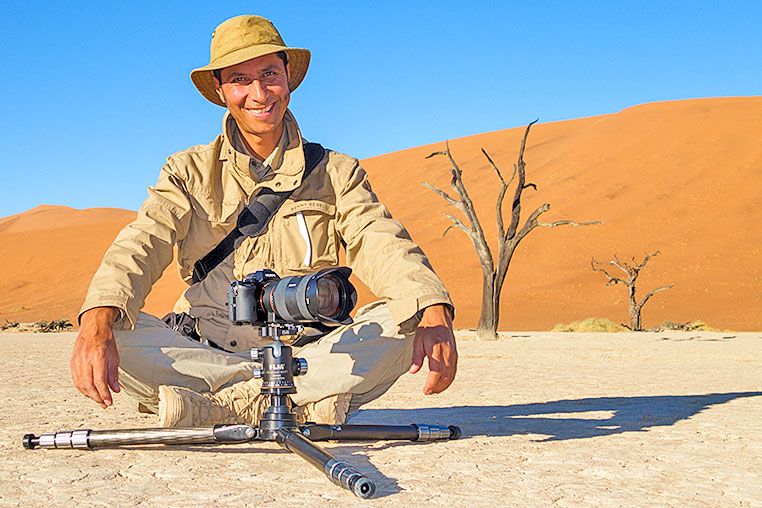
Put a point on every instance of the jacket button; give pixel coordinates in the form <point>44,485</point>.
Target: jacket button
<point>233,343</point>
<point>277,184</point>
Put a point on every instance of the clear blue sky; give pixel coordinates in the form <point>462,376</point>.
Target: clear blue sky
<point>97,94</point>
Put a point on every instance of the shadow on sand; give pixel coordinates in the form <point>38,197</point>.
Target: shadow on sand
<point>560,419</point>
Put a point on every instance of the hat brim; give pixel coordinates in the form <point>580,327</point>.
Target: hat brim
<point>298,59</point>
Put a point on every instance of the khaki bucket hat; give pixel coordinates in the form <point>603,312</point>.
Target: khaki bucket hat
<point>242,38</point>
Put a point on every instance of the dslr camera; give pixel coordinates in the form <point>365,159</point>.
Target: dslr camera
<point>326,297</point>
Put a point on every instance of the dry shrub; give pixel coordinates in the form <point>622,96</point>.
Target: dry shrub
<point>690,326</point>
<point>599,325</point>
<point>591,325</point>
<point>57,325</point>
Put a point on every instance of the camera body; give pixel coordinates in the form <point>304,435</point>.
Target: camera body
<point>244,297</point>
<point>326,297</point>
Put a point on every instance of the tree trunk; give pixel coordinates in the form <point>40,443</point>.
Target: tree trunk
<point>487,328</point>
<point>635,322</point>
<point>493,279</point>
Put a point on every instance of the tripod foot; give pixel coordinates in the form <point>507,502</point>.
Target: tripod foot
<point>338,471</point>
<point>345,476</point>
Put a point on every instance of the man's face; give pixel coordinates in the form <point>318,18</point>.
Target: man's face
<point>256,94</point>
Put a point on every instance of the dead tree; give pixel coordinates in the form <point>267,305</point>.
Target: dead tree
<point>631,272</point>
<point>493,275</point>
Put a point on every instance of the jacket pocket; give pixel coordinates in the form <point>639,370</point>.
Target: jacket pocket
<point>305,236</point>
<point>210,223</point>
<point>217,213</point>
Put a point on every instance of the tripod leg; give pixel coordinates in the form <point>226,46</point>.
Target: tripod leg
<point>418,432</point>
<point>85,438</point>
<point>339,472</point>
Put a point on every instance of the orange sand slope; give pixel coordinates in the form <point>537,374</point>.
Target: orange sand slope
<point>48,255</point>
<point>683,178</point>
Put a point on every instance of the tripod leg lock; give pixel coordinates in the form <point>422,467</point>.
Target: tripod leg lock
<point>345,476</point>
<point>235,433</point>
<point>67,439</point>
<point>428,432</point>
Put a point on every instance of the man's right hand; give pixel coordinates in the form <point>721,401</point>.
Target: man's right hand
<point>95,361</point>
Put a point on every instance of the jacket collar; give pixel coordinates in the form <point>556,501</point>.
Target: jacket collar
<point>286,161</point>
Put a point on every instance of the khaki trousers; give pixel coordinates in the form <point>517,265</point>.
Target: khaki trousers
<point>363,359</point>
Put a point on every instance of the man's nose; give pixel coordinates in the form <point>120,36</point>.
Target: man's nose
<point>257,91</point>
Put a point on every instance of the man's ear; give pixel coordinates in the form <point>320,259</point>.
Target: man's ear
<point>218,88</point>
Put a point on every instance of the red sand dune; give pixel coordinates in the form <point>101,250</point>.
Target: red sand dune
<point>682,177</point>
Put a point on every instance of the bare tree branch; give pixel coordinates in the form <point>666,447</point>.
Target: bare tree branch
<point>618,263</point>
<point>612,280</point>
<point>457,223</point>
<point>531,222</point>
<point>447,229</point>
<point>513,176</point>
<point>444,195</point>
<point>494,276</point>
<point>516,205</point>
<point>648,256</point>
<point>567,223</point>
<point>632,272</point>
<point>649,295</point>
<point>465,205</point>
<point>494,166</point>
<point>500,196</point>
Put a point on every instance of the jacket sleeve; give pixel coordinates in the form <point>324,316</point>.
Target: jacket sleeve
<point>382,254</point>
<point>141,251</point>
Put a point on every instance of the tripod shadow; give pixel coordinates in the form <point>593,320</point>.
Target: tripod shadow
<point>557,420</point>
<point>355,454</point>
<point>560,419</point>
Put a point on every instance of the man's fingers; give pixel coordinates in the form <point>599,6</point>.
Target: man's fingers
<point>113,382</point>
<point>441,372</point>
<point>95,360</point>
<point>101,386</point>
<point>431,382</point>
<point>87,388</point>
<point>94,375</point>
<point>419,353</point>
<point>113,375</point>
<point>437,382</point>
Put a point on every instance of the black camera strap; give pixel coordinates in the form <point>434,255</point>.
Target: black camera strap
<point>253,219</point>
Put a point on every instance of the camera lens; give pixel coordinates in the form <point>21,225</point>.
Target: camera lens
<point>325,297</point>
<point>329,297</point>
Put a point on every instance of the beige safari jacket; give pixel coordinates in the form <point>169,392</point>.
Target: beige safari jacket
<point>195,204</point>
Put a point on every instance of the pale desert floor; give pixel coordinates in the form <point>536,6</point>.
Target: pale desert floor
<point>652,419</point>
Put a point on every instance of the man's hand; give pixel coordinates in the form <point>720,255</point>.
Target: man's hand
<point>94,360</point>
<point>434,339</point>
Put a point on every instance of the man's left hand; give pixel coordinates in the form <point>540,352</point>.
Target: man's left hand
<point>435,340</point>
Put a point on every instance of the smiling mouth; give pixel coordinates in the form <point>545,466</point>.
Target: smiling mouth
<point>261,111</point>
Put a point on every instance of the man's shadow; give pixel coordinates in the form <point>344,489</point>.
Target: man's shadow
<point>559,419</point>
<point>549,421</point>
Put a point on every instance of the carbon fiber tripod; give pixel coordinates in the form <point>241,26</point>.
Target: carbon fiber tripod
<point>278,423</point>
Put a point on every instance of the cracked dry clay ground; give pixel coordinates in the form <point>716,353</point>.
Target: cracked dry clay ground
<point>549,419</point>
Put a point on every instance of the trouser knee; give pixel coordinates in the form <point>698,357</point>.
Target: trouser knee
<point>363,359</point>
<point>152,354</point>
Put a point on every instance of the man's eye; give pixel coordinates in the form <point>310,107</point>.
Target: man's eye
<point>240,80</point>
